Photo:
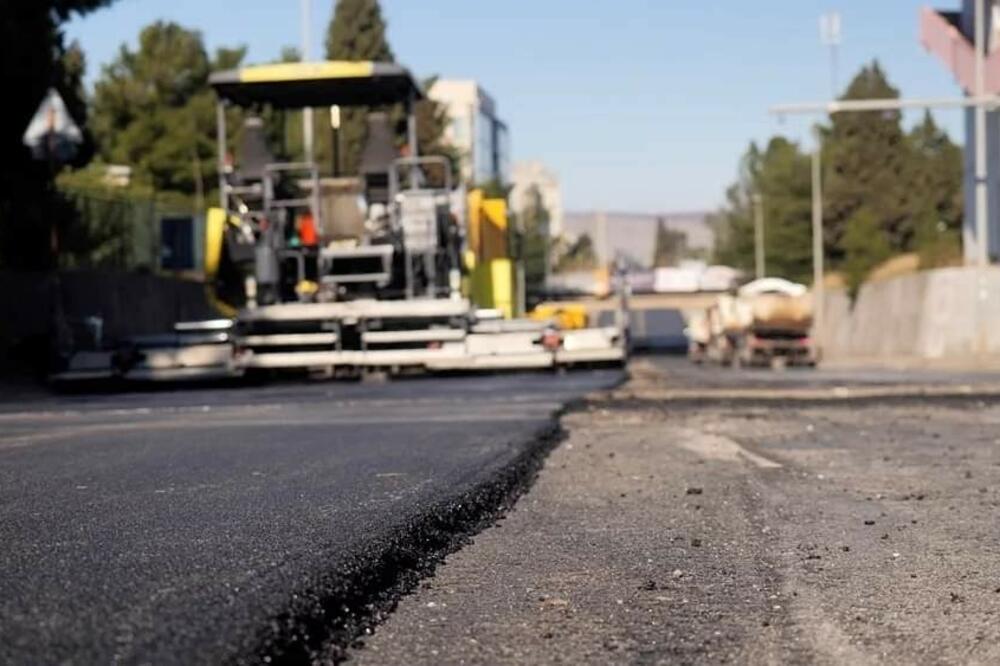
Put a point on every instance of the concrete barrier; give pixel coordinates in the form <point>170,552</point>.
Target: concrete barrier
<point>948,314</point>
<point>35,306</point>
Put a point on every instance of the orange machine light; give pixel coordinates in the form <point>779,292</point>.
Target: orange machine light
<point>307,230</point>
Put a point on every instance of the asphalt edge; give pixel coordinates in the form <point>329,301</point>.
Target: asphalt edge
<point>722,401</point>
<point>327,621</point>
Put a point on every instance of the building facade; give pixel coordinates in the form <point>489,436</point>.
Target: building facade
<point>534,174</point>
<point>950,35</point>
<point>475,130</point>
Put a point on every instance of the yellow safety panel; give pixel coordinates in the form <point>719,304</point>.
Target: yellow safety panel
<point>306,71</point>
<point>502,282</point>
<point>493,283</point>
<point>215,228</point>
<point>496,212</point>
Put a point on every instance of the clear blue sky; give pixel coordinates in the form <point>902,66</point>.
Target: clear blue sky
<point>642,105</point>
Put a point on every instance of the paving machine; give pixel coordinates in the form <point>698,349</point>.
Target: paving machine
<point>309,293</point>
<point>366,276</point>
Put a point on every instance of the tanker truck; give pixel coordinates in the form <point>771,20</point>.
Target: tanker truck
<point>765,323</point>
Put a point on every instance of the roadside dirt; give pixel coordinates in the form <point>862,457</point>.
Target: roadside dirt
<point>749,530</point>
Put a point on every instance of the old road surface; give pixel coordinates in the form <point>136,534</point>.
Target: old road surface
<point>706,516</point>
<point>249,525</point>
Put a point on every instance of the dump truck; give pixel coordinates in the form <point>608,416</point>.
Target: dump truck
<point>766,322</point>
<point>380,278</point>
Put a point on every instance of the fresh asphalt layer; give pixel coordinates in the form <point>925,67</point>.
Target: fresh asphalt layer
<point>239,524</point>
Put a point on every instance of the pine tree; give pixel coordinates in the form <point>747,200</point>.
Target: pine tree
<point>886,192</point>
<point>153,108</point>
<point>867,165</point>
<point>780,176</point>
<point>937,182</point>
<point>357,32</point>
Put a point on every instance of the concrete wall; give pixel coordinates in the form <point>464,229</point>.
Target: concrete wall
<point>944,314</point>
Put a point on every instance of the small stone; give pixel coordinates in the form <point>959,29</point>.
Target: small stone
<point>694,490</point>
<point>677,573</point>
<point>696,543</point>
<point>869,522</point>
<point>846,549</point>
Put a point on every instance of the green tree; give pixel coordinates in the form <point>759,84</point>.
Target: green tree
<point>670,246</point>
<point>33,58</point>
<point>533,221</point>
<point>357,32</point>
<point>780,176</point>
<point>868,165</point>
<point>937,185</point>
<point>153,109</point>
<point>865,245</point>
<point>886,191</point>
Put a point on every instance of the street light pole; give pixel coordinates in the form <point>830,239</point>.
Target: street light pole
<point>829,28</point>
<point>307,113</point>
<point>819,290</point>
<point>982,198</point>
<point>758,226</point>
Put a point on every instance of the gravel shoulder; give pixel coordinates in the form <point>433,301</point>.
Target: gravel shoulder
<point>744,529</point>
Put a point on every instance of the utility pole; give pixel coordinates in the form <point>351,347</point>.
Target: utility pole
<point>307,114</point>
<point>829,32</point>
<point>758,235</point>
<point>982,194</point>
<point>982,198</point>
<point>819,289</point>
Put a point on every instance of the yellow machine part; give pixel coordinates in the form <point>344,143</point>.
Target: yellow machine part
<point>215,231</point>
<point>567,316</point>
<point>491,269</point>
